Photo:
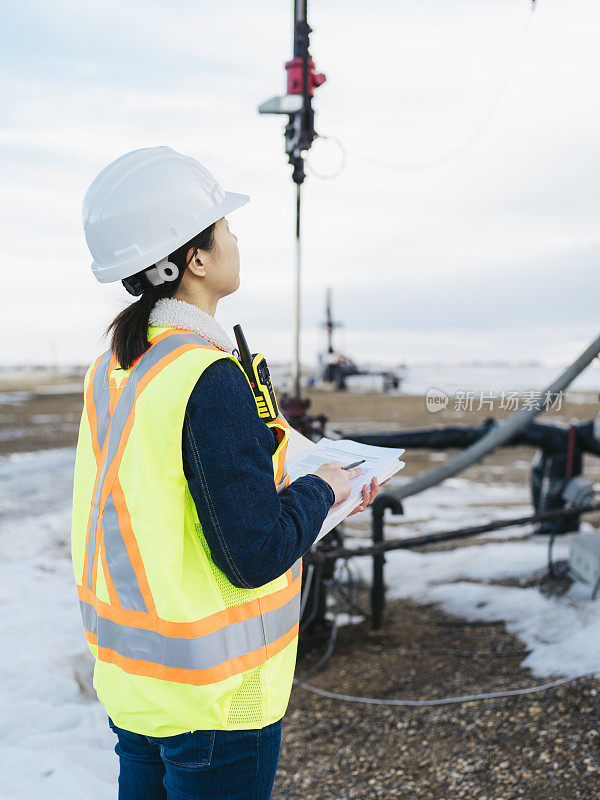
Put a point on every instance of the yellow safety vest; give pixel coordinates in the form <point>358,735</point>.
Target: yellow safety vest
<point>178,647</point>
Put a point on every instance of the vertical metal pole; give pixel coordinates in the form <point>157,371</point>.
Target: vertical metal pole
<point>377,586</point>
<point>298,263</point>
<point>300,15</point>
<point>380,503</point>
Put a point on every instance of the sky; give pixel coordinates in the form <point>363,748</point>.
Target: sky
<point>463,225</point>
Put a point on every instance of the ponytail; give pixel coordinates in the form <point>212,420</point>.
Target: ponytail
<point>129,329</point>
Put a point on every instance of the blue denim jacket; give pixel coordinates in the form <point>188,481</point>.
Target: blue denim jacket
<point>254,534</point>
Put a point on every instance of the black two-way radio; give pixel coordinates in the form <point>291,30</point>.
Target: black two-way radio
<point>255,367</point>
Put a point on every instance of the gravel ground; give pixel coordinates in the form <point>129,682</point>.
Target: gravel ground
<point>542,746</point>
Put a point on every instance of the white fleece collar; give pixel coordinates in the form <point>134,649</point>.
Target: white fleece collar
<point>174,313</point>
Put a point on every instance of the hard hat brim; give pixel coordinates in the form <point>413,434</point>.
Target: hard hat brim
<point>138,261</point>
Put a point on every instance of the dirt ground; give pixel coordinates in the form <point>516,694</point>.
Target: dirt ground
<point>39,410</point>
<point>49,417</point>
<point>538,747</point>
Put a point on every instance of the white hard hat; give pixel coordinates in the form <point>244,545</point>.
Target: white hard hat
<point>145,205</point>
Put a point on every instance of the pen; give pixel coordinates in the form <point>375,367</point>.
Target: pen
<point>356,463</point>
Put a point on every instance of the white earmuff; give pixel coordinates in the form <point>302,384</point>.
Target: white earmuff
<point>162,272</point>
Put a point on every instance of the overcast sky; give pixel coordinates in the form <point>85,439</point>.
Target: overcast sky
<point>492,253</point>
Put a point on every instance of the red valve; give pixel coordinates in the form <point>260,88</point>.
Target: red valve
<point>294,76</point>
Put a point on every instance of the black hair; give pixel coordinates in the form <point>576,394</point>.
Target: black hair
<point>129,339</point>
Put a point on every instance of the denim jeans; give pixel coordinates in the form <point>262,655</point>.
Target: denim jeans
<point>201,765</point>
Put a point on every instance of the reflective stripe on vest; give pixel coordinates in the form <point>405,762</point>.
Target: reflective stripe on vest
<point>154,359</point>
<point>128,630</point>
<point>282,427</point>
<point>203,652</point>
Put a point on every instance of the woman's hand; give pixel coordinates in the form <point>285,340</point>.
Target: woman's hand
<point>368,496</point>
<point>337,478</point>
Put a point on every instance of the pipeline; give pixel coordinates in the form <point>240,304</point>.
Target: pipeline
<point>498,435</point>
<point>322,556</point>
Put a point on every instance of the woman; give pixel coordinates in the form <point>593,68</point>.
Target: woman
<point>187,559</point>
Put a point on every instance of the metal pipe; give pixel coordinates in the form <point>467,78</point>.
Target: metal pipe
<point>377,586</point>
<point>502,433</point>
<point>551,438</point>
<point>297,319</point>
<point>319,557</point>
